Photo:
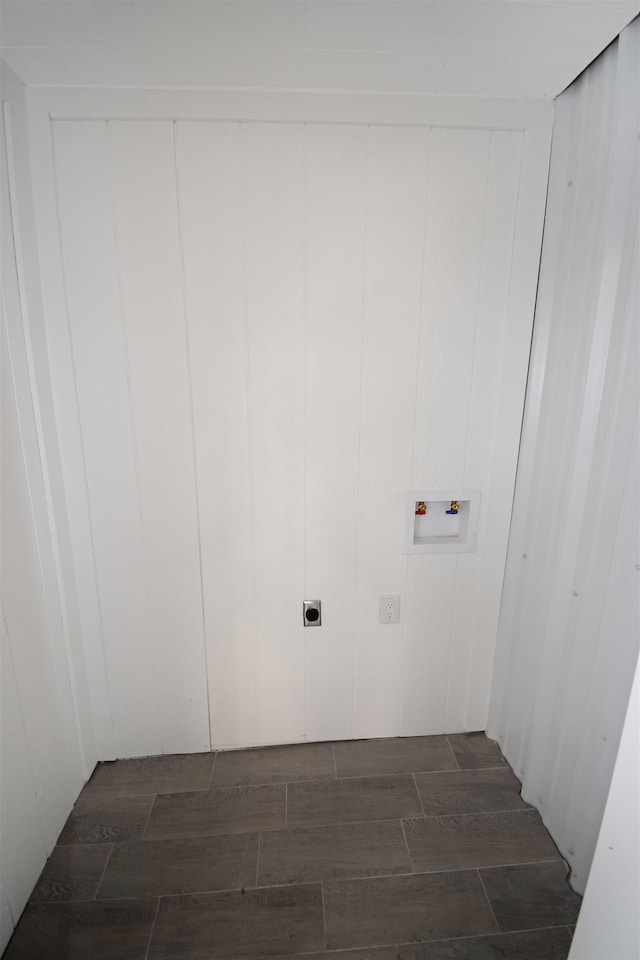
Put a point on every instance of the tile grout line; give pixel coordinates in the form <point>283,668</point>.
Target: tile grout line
<point>459,769</point>
<point>146,822</point>
<point>473,813</point>
<point>415,783</point>
<point>430,816</point>
<point>490,766</point>
<point>305,882</point>
<point>354,823</point>
<point>324,914</point>
<point>455,759</point>
<point>139,794</point>
<point>286,805</point>
<point>517,863</point>
<point>258,858</point>
<point>61,904</point>
<point>153,927</point>
<point>306,825</point>
<point>364,877</point>
<point>456,767</point>
<point>104,870</point>
<point>484,890</point>
<point>555,926</point>
<point>482,936</point>
<point>515,930</point>
<point>275,783</point>
<point>335,761</point>
<point>339,779</point>
<point>295,884</point>
<point>406,843</point>
<point>204,893</point>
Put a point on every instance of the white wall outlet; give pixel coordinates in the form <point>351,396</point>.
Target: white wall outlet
<point>390,608</point>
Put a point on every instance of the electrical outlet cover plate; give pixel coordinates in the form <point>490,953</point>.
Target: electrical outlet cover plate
<point>312,613</point>
<point>389,608</point>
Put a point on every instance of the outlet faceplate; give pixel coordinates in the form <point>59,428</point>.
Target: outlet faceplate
<point>312,613</point>
<point>390,608</point>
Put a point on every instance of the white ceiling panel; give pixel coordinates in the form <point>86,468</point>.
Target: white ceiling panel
<point>546,30</point>
<point>435,75</point>
<point>494,48</point>
<point>214,23</point>
<point>157,67</point>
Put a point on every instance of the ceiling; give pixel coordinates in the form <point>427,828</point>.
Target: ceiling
<point>493,48</point>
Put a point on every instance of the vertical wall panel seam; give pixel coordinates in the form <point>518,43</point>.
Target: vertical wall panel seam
<point>42,459</point>
<point>196,490</point>
<point>247,362</point>
<point>533,504</point>
<point>418,365</point>
<point>80,429</point>
<point>360,395</point>
<point>474,367</point>
<point>523,144</point>
<point>447,696</point>
<point>518,528</point>
<point>552,380</point>
<point>463,479</point>
<point>514,505</point>
<point>422,325</point>
<point>305,400</point>
<point>127,362</point>
<point>450,635</point>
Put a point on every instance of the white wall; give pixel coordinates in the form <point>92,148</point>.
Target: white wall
<point>568,636</point>
<point>46,747</point>
<point>269,319</point>
<point>479,48</point>
<point>608,926</point>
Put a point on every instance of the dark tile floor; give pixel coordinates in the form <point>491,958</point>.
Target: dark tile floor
<point>418,848</point>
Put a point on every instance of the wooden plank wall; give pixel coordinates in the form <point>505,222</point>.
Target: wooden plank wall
<point>279,328</point>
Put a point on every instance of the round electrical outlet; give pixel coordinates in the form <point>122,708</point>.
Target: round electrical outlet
<point>311,613</point>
